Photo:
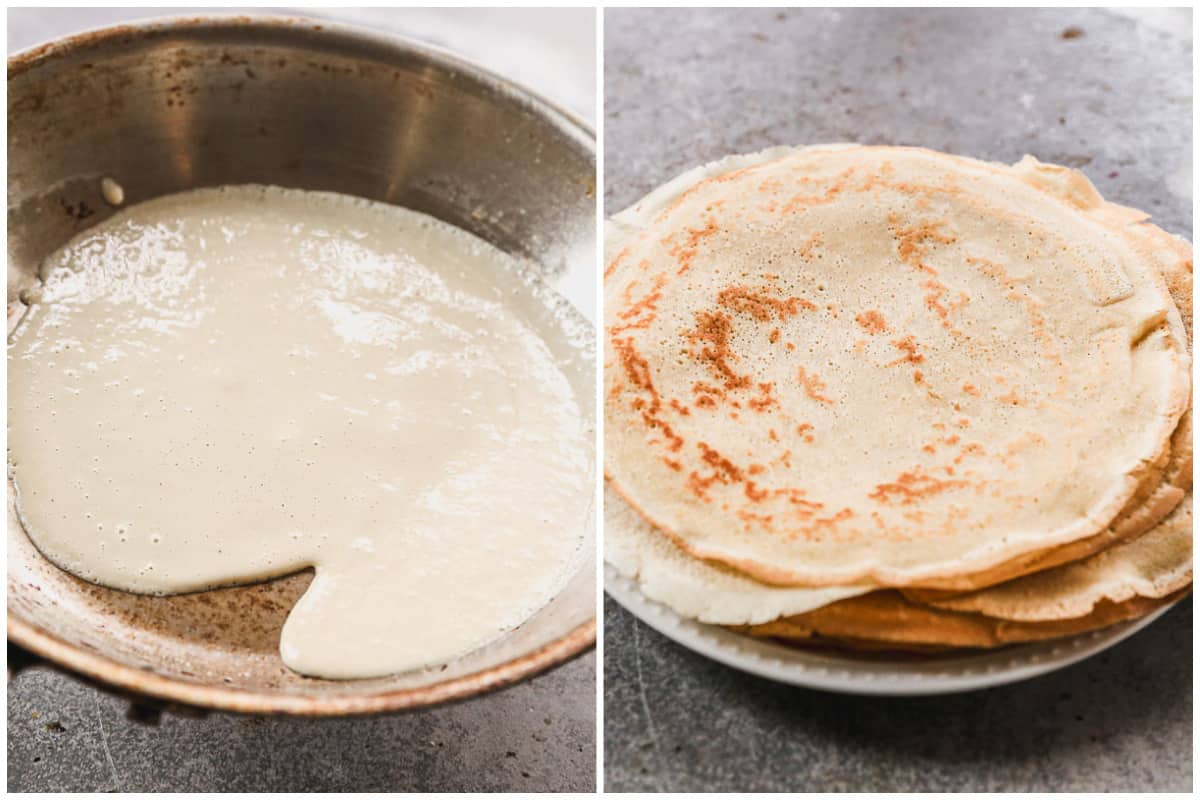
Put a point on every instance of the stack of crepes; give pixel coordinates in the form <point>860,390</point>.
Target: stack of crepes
<point>889,398</point>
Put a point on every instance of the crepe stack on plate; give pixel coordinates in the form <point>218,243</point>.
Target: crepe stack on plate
<point>887,398</point>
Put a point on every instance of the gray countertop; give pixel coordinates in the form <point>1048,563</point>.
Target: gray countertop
<point>676,721</point>
<point>1107,93</point>
<point>64,735</point>
<point>536,736</point>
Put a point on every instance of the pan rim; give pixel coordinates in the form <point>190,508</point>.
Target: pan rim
<point>30,58</point>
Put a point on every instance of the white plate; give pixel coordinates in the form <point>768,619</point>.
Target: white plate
<point>839,673</point>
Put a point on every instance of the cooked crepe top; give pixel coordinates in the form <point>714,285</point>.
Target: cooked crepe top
<point>841,363</point>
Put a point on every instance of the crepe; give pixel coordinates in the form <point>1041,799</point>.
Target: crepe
<point>702,590</point>
<point>1154,565</point>
<point>1103,589</point>
<point>1165,485</point>
<point>884,620</point>
<point>804,381</point>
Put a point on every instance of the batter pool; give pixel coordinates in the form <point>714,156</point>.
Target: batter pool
<point>227,385</point>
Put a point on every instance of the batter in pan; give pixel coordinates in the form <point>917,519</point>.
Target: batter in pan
<point>231,384</point>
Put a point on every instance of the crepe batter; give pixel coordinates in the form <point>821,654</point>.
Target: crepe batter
<point>231,384</point>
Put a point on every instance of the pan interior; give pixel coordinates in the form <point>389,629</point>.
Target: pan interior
<point>167,107</point>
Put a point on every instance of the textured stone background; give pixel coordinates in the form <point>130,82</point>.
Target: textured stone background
<point>538,736</point>
<point>1109,94</point>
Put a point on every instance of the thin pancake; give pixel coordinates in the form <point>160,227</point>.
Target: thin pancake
<point>696,589</point>
<point>1157,496</point>
<point>1169,480</point>
<point>1154,565</point>
<point>886,619</point>
<point>901,269</point>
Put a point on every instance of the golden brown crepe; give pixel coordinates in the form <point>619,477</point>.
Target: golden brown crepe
<point>885,365</point>
<point>717,498</point>
<point>886,620</point>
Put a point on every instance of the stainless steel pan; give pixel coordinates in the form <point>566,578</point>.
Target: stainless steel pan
<point>180,103</point>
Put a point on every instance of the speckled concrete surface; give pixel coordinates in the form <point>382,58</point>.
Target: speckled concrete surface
<point>683,87</point>
<point>536,736</point>
<point>1106,93</point>
<point>675,721</point>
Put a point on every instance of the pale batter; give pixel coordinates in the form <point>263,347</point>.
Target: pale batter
<point>230,384</point>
